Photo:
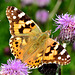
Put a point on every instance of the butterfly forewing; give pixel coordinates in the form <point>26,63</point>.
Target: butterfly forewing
<point>20,23</point>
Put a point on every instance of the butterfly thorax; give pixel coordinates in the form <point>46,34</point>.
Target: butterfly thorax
<point>38,44</point>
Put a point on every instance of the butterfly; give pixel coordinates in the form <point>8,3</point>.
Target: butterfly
<point>29,44</point>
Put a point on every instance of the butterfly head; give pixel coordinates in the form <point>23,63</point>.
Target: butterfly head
<point>48,32</point>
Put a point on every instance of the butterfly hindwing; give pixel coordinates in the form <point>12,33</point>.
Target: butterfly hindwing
<point>55,53</point>
<point>19,48</point>
<point>20,23</point>
<point>16,44</point>
<point>34,61</point>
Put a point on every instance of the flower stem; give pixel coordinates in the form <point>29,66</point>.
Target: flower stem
<point>55,9</point>
<point>59,71</point>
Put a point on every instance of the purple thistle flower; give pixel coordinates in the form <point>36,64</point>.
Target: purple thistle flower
<point>42,15</point>
<point>42,3</point>
<point>14,67</point>
<point>66,23</point>
<point>26,2</point>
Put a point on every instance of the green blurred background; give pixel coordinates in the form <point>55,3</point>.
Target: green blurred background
<point>54,7</point>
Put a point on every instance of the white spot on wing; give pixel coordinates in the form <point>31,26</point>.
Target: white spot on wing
<point>28,22</point>
<point>10,31</point>
<point>10,26</point>
<point>12,14</point>
<point>15,9</point>
<point>8,16</point>
<point>63,51</point>
<point>12,11</point>
<point>56,46</point>
<point>12,37</point>
<point>68,56</point>
<point>59,57</point>
<point>64,45</point>
<point>14,17</point>
<point>10,40</point>
<point>65,59</point>
<point>21,14</point>
<point>10,21</point>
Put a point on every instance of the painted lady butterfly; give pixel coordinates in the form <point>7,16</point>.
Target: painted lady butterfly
<point>30,44</point>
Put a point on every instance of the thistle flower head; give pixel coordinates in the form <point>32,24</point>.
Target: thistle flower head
<point>14,67</point>
<point>66,23</point>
